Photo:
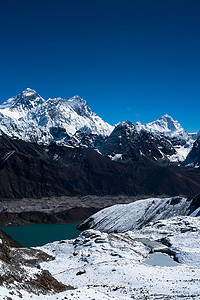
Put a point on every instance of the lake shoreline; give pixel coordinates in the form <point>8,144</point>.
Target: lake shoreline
<point>24,218</point>
<point>34,235</point>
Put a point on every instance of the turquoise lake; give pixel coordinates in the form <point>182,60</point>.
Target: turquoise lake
<point>40,234</point>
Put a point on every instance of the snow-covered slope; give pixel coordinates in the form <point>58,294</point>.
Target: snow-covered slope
<point>166,125</point>
<point>115,264</point>
<point>179,233</point>
<point>124,217</point>
<point>104,266</point>
<point>159,261</point>
<point>29,117</point>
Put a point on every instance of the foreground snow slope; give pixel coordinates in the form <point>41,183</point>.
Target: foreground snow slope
<point>180,234</point>
<point>124,217</point>
<point>114,263</point>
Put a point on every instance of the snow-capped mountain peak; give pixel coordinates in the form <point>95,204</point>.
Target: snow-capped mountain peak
<point>18,106</point>
<point>29,117</point>
<point>27,95</point>
<point>28,92</point>
<point>77,99</point>
<point>165,124</point>
<point>169,123</point>
<point>126,123</point>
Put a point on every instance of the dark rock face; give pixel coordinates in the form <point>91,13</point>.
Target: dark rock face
<point>58,133</point>
<point>84,139</point>
<point>46,282</point>
<point>5,250</point>
<point>34,171</point>
<point>136,146</point>
<point>8,240</point>
<point>193,158</point>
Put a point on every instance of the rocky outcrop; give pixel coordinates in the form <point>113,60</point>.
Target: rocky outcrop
<point>127,144</point>
<point>5,250</point>
<point>16,264</point>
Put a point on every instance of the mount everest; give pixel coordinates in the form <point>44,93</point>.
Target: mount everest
<point>29,117</point>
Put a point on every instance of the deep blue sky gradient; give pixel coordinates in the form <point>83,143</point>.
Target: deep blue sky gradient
<point>130,59</point>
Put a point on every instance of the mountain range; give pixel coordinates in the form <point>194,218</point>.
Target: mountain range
<point>29,117</point>
<point>61,147</point>
<point>70,122</point>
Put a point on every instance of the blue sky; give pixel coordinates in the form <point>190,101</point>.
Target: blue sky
<point>130,59</point>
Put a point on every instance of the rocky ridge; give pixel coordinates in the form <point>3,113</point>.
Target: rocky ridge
<point>30,170</point>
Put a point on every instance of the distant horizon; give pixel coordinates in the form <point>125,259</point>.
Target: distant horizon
<point>113,124</point>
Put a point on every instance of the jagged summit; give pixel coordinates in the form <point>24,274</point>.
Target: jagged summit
<point>166,116</point>
<point>29,117</point>
<point>77,98</point>
<point>28,94</point>
<point>74,99</point>
<point>29,90</point>
<point>169,123</point>
<point>18,106</point>
<point>31,95</point>
<point>165,124</point>
<point>125,125</point>
<point>124,128</point>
